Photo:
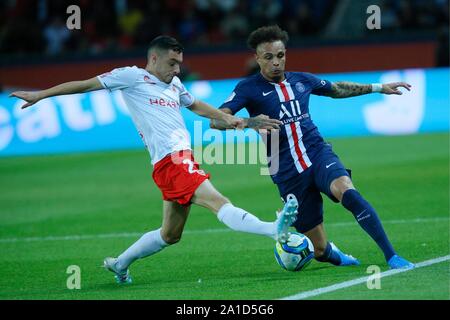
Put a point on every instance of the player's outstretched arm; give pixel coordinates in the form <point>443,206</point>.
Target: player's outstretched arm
<point>261,122</point>
<point>31,97</point>
<point>346,89</point>
<point>205,110</point>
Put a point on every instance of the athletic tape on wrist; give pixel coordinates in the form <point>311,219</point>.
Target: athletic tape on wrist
<point>376,87</point>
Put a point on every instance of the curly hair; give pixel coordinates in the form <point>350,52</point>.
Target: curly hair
<point>267,34</point>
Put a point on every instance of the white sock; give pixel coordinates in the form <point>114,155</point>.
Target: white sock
<point>150,243</point>
<point>241,220</point>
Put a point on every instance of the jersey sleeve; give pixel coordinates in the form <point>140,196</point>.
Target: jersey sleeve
<point>186,98</point>
<point>236,101</point>
<point>319,87</point>
<point>120,78</point>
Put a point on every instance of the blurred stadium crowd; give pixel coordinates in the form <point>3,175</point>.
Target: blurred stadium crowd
<point>39,26</point>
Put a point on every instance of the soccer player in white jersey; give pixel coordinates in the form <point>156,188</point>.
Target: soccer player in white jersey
<point>154,97</point>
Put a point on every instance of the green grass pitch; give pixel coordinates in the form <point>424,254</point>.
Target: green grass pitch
<point>62,210</point>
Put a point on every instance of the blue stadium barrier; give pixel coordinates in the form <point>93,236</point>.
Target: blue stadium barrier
<point>100,121</point>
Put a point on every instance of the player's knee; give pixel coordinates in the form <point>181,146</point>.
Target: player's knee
<point>171,238</point>
<point>340,185</point>
<point>219,202</point>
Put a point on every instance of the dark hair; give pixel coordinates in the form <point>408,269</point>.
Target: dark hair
<point>161,43</point>
<point>267,34</point>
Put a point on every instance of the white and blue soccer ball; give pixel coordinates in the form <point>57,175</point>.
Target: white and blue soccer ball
<point>296,254</point>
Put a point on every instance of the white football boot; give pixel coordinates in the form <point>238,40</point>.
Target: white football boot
<point>285,219</point>
<point>120,276</point>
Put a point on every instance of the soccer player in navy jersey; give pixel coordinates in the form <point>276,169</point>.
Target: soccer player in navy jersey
<point>276,99</point>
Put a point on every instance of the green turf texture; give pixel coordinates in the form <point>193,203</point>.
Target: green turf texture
<point>405,178</point>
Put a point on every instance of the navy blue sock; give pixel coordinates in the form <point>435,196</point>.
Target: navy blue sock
<point>330,256</point>
<point>368,220</point>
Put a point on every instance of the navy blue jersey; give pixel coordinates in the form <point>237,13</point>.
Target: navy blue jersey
<point>288,101</point>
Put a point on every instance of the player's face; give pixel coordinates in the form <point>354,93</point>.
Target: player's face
<point>271,57</point>
<point>167,65</point>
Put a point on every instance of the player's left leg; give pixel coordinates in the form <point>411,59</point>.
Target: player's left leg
<point>343,190</point>
<point>310,223</point>
<point>174,219</point>
<point>325,251</point>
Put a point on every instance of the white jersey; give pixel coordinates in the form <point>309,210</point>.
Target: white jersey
<point>154,107</point>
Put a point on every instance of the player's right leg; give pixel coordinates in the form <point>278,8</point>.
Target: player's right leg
<point>342,189</point>
<point>334,180</point>
<point>174,219</point>
<point>240,220</point>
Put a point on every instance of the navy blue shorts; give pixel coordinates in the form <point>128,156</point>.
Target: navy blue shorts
<point>308,186</point>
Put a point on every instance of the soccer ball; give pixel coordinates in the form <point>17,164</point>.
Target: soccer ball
<point>296,253</point>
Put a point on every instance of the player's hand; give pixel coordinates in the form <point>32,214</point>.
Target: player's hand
<point>392,88</point>
<point>263,122</point>
<point>30,97</point>
<point>234,122</point>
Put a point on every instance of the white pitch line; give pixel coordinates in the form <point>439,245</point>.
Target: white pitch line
<point>399,221</point>
<point>99,236</point>
<point>216,230</point>
<point>350,283</point>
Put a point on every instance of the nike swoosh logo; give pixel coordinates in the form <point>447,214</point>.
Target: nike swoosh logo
<point>362,218</point>
<point>329,165</point>
<point>267,93</point>
<point>359,215</point>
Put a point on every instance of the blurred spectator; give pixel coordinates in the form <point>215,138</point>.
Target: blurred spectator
<point>235,24</point>
<point>37,26</point>
<point>129,23</point>
<point>226,5</point>
<point>154,23</point>
<point>300,19</point>
<point>415,14</point>
<point>56,35</point>
<point>407,15</point>
<point>442,51</point>
<point>21,36</point>
<point>266,12</point>
<point>190,27</point>
<point>390,20</point>
<point>212,18</point>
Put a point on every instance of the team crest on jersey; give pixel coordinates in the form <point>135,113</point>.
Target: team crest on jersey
<point>147,79</point>
<point>300,87</point>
